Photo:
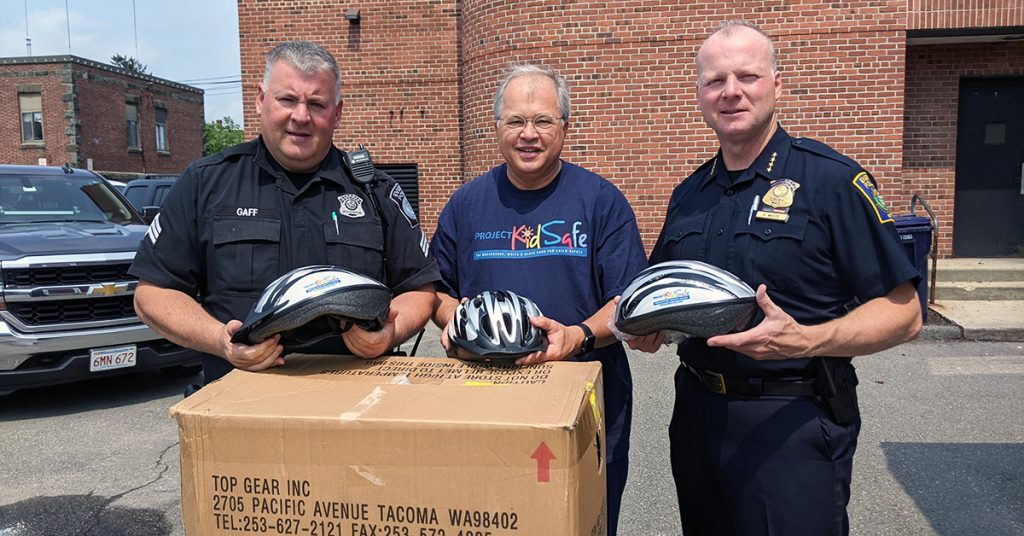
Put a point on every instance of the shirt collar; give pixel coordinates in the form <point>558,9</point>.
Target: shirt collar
<point>330,168</point>
<point>768,164</point>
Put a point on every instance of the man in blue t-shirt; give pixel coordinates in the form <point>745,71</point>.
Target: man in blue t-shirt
<point>553,232</point>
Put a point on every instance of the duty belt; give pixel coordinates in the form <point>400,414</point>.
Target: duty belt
<point>717,382</point>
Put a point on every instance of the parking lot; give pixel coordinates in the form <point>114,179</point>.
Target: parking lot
<point>941,451</point>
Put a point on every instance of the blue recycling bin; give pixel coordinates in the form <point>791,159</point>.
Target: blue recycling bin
<point>915,234</point>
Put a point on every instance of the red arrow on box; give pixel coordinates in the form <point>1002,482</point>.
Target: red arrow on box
<point>543,455</point>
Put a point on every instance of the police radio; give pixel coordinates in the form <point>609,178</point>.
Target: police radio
<point>361,166</point>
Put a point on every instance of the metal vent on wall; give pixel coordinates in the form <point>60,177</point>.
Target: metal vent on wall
<point>408,176</point>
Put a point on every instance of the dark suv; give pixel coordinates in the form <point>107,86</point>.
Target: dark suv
<point>149,191</point>
<point>67,239</point>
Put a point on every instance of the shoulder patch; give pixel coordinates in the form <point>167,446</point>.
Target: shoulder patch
<point>864,185</point>
<point>397,196</point>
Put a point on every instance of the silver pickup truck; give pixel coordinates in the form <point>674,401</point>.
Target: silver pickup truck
<point>67,239</point>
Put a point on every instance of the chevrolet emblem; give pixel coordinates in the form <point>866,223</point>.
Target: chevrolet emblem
<point>107,289</point>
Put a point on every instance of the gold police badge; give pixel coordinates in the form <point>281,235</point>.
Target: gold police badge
<point>776,202</point>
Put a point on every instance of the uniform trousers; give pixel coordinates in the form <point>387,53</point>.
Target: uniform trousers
<point>771,465</point>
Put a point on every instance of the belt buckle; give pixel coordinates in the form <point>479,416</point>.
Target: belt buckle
<point>714,381</point>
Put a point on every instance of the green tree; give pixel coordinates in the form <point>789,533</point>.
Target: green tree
<point>221,134</point>
<point>129,64</point>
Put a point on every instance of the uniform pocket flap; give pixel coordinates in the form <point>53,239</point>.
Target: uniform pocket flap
<point>794,228</point>
<point>363,235</point>
<point>682,227</point>
<point>227,230</point>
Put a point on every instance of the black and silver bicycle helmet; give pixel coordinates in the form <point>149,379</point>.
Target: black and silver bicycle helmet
<point>306,305</point>
<point>689,297</point>
<point>495,325</point>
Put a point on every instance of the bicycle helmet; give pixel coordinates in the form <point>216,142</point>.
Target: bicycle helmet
<point>690,297</point>
<point>495,325</point>
<point>305,305</point>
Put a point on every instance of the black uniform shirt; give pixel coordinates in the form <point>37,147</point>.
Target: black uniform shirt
<point>234,222</point>
<point>833,245</point>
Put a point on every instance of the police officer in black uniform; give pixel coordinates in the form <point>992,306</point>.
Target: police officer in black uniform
<point>765,421</point>
<point>236,221</point>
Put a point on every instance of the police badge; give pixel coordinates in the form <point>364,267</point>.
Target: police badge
<point>778,199</point>
<point>351,205</point>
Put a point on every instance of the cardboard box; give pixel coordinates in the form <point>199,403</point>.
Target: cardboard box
<point>336,446</point>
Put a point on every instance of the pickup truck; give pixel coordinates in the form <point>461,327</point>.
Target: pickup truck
<point>67,238</point>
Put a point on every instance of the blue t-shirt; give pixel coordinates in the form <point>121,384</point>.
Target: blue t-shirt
<point>570,247</point>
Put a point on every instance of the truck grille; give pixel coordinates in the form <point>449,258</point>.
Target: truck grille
<point>43,313</point>
<point>67,275</point>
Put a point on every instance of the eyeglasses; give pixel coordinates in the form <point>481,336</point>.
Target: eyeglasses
<point>542,123</point>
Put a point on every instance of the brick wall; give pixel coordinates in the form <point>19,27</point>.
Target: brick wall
<point>944,14</point>
<point>631,67</point>
<point>933,88</point>
<point>54,82</point>
<point>400,79</point>
<point>102,133</point>
<point>84,117</point>
<point>417,71</point>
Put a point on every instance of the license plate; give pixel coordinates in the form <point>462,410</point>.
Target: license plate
<point>102,359</point>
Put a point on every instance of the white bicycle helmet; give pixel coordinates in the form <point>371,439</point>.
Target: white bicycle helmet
<point>306,305</point>
<point>495,325</point>
<point>690,297</point>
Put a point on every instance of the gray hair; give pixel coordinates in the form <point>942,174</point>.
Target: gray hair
<point>728,27</point>
<point>306,57</point>
<point>518,70</point>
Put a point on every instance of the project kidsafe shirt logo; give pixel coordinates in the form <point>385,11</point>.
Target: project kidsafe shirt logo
<point>553,237</point>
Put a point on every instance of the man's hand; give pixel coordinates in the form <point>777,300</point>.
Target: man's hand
<point>563,341</point>
<point>252,358</point>
<point>648,343</point>
<point>372,344</point>
<point>444,302</point>
<point>778,336</point>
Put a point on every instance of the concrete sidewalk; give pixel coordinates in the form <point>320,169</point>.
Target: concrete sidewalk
<point>975,320</point>
<point>977,299</point>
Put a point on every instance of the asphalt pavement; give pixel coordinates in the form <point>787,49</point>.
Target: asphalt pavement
<point>941,450</point>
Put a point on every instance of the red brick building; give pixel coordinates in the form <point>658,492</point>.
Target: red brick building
<point>61,109</point>
<point>881,81</point>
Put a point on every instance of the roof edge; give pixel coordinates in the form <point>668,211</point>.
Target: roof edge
<point>68,58</point>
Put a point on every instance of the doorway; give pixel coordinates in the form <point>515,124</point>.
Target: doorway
<point>988,219</point>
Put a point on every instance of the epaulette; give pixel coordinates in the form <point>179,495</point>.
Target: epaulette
<point>231,153</point>
<point>821,149</point>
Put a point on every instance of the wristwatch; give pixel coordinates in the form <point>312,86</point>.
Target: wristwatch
<point>589,340</point>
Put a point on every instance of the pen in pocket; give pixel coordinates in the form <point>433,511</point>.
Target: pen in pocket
<point>334,216</point>
<point>753,207</point>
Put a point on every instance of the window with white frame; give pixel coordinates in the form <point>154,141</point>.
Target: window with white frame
<point>161,129</point>
<point>31,117</point>
<point>132,117</point>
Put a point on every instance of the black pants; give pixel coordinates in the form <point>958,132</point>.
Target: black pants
<point>759,465</point>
